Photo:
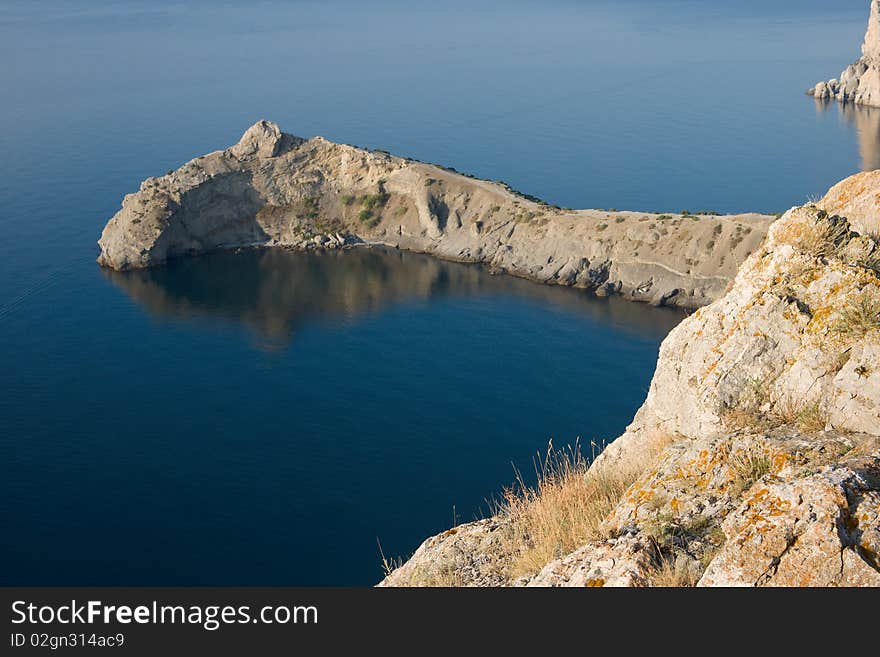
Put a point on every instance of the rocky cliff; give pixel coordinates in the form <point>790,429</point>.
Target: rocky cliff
<point>755,459</point>
<point>274,189</point>
<point>860,82</point>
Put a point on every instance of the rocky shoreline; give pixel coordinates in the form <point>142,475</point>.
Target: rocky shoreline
<point>755,459</point>
<point>272,189</point>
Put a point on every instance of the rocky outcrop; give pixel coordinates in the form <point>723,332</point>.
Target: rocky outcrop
<point>860,82</point>
<point>769,399</point>
<point>818,530</point>
<point>274,189</point>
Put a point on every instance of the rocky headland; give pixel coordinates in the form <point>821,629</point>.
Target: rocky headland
<point>860,82</point>
<point>272,189</point>
<point>755,459</point>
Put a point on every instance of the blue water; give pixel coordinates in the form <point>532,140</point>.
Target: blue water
<point>261,418</point>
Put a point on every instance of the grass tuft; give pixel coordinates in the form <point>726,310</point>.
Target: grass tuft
<point>822,236</point>
<point>860,318</point>
<point>564,509</point>
<point>674,573</point>
<point>749,466</point>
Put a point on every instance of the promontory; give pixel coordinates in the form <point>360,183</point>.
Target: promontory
<point>273,189</point>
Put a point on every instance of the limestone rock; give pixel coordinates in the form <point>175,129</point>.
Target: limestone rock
<point>466,555</point>
<point>777,342</point>
<point>860,82</point>
<point>260,140</point>
<point>807,532</point>
<point>621,562</point>
<point>857,199</point>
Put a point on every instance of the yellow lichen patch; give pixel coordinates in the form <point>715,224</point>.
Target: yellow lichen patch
<point>778,461</point>
<point>761,506</point>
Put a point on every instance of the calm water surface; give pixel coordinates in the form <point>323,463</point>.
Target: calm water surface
<point>263,417</point>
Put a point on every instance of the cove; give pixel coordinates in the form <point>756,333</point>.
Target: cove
<point>289,409</point>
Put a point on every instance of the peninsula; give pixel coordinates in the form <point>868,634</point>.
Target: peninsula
<point>273,189</point>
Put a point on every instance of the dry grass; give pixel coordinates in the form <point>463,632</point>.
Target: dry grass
<point>672,573</point>
<point>744,417</point>
<point>441,574</point>
<point>754,410</point>
<point>871,258</point>
<point>860,318</point>
<point>565,508</point>
<point>822,237</point>
<point>749,466</point>
<point>809,417</point>
<point>746,412</point>
<point>389,564</point>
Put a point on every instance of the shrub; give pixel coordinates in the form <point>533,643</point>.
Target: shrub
<point>601,227</point>
<point>347,199</point>
<point>378,200</point>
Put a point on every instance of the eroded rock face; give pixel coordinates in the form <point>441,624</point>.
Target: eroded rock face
<point>779,338</point>
<point>274,189</point>
<point>860,82</point>
<point>770,399</point>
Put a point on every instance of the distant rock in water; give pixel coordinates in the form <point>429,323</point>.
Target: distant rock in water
<point>275,189</point>
<point>860,82</point>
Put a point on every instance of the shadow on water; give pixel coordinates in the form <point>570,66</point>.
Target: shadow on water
<point>866,122</point>
<point>275,292</point>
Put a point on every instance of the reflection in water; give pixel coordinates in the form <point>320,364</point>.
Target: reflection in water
<point>866,121</point>
<point>275,292</point>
